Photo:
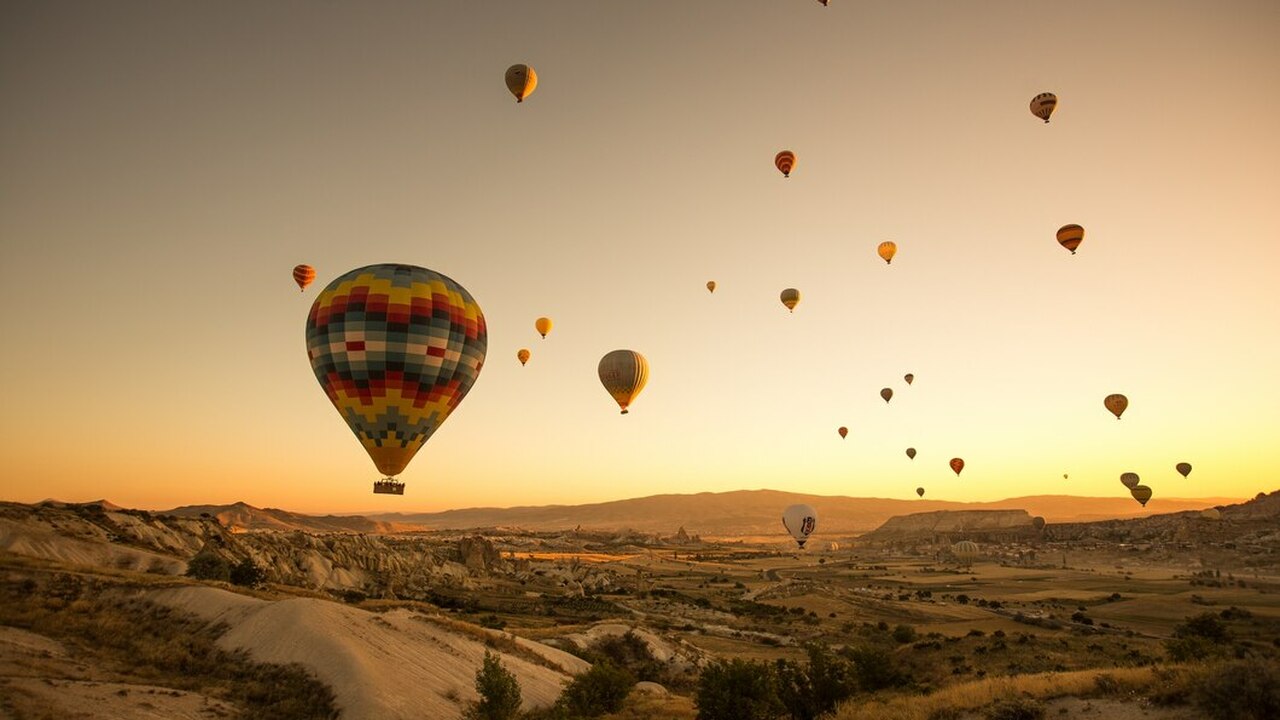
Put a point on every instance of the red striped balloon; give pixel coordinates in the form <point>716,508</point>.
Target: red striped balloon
<point>303,275</point>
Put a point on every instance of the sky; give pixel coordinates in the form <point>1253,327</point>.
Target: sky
<point>163,166</point>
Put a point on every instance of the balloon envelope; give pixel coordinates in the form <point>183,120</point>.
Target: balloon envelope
<point>395,348</point>
<point>521,81</point>
<point>1070,237</point>
<point>1116,403</point>
<point>1141,493</point>
<point>886,393</point>
<point>911,453</point>
<point>543,326</point>
<point>910,378</point>
<point>844,431</point>
<point>785,161</point>
<point>1211,514</point>
<point>966,551</point>
<point>957,465</point>
<point>1183,468</point>
<point>920,492</point>
<point>790,297</point>
<point>886,251</point>
<point>303,275</point>
<point>711,286</point>
<point>1038,522</point>
<point>1130,480</point>
<point>800,520</point>
<point>523,355</point>
<point>623,374</point>
<point>1043,104</point>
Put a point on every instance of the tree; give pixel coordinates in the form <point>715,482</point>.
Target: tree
<point>208,565</point>
<point>600,690</point>
<point>499,692</point>
<point>738,689</point>
<point>247,573</point>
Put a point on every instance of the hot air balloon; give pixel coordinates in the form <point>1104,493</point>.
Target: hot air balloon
<point>523,355</point>
<point>800,520</point>
<point>521,81</point>
<point>790,297</point>
<point>1038,522</point>
<point>824,2</point>
<point>1183,468</point>
<point>966,551</point>
<point>1211,514</point>
<point>1064,476</point>
<point>1116,403</point>
<point>844,431</point>
<point>1141,493</point>
<point>886,251</point>
<point>1070,237</point>
<point>886,393</point>
<point>909,378</point>
<point>303,275</point>
<point>623,374</point>
<point>1130,480</point>
<point>543,326</point>
<point>920,492</point>
<point>1043,104</point>
<point>911,453</point>
<point>957,465</point>
<point>785,162</point>
<point>711,286</point>
<point>396,348</point>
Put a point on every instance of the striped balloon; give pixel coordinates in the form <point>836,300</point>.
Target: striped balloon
<point>886,251</point>
<point>623,374</point>
<point>396,348</point>
<point>785,161</point>
<point>1070,237</point>
<point>957,465</point>
<point>1043,104</point>
<point>523,356</point>
<point>790,297</point>
<point>521,81</point>
<point>304,275</point>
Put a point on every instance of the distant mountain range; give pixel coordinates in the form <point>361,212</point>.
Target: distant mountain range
<point>243,516</point>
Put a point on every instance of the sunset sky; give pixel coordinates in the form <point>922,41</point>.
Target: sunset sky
<point>163,166</point>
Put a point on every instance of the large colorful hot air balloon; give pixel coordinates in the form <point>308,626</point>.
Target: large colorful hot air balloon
<point>543,326</point>
<point>785,161</point>
<point>1070,237</point>
<point>910,378</point>
<point>396,348</point>
<point>1130,479</point>
<point>911,453</point>
<point>523,355</point>
<point>521,81</point>
<point>844,431</point>
<point>886,251</point>
<point>800,520</point>
<point>711,286</point>
<point>1183,468</point>
<point>303,275</point>
<point>1116,403</point>
<point>623,374</point>
<point>966,551</point>
<point>957,465</point>
<point>920,492</point>
<point>886,393</point>
<point>1043,104</point>
<point>790,297</point>
<point>1141,493</point>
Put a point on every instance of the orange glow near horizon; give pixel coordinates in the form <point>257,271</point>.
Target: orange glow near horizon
<point>163,169</point>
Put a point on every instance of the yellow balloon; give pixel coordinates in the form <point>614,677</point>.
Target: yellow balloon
<point>523,355</point>
<point>886,251</point>
<point>521,81</point>
<point>790,297</point>
<point>623,374</point>
<point>543,326</point>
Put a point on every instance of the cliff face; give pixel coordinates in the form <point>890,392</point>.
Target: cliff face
<point>954,524</point>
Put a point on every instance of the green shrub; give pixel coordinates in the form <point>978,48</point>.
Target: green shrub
<point>737,690</point>
<point>247,574</point>
<point>874,667</point>
<point>499,692</point>
<point>904,634</point>
<point>600,690</point>
<point>1241,690</point>
<point>209,566</point>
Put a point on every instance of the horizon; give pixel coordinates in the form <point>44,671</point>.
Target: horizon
<point>163,169</point>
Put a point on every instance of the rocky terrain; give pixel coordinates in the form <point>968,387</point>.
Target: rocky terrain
<point>979,525</point>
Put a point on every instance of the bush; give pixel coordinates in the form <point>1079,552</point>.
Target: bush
<point>600,690</point>
<point>499,692</point>
<point>737,690</point>
<point>874,667</point>
<point>209,566</point>
<point>1016,709</point>
<point>247,574</point>
<point>1200,637</point>
<point>1243,690</point>
<point>817,688</point>
<point>904,634</point>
